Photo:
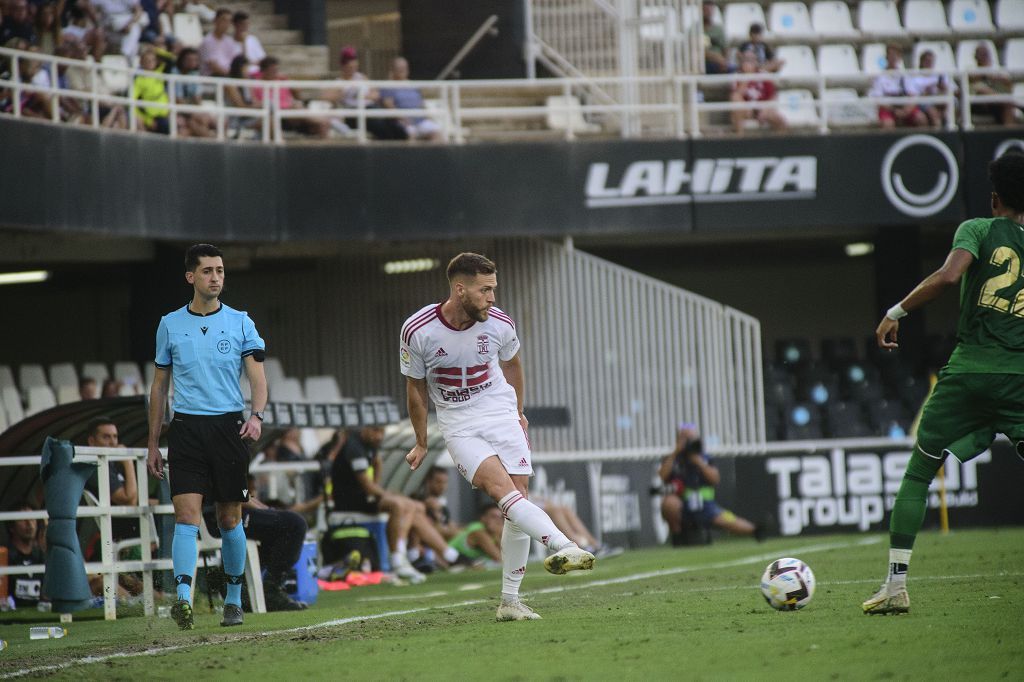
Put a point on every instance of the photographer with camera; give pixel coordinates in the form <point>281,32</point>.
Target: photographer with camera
<point>689,506</point>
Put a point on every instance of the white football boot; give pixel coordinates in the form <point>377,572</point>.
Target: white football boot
<point>570,558</point>
<point>887,600</point>
<point>404,570</point>
<point>515,610</point>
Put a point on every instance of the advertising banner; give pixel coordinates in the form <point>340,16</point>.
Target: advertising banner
<point>148,186</point>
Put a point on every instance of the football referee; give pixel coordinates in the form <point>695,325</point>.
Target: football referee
<point>202,346</point>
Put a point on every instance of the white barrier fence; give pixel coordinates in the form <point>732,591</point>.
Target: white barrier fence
<point>815,101</point>
<point>110,565</point>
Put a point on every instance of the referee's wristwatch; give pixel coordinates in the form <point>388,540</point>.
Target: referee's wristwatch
<point>258,415</point>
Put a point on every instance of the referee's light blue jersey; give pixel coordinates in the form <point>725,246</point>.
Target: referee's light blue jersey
<point>204,354</point>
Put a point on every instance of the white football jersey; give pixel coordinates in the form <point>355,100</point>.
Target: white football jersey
<point>464,380</point>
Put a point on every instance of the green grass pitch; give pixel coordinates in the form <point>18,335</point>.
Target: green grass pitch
<point>693,613</point>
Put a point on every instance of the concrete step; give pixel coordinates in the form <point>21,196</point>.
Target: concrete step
<point>280,37</point>
<point>303,60</point>
<point>253,7</point>
<point>263,22</point>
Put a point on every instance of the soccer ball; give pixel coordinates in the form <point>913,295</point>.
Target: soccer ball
<point>787,584</point>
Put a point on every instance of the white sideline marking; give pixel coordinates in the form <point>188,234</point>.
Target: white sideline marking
<point>154,651</point>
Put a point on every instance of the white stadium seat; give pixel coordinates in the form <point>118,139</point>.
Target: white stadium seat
<point>243,383</point>
<point>30,376</point>
<point>879,19</point>
<point>3,419</point>
<point>6,376</point>
<point>63,374</point>
<point>1013,55</point>
<point>96,371</point>
<point>188,29</point>
<point>274,371</point>
<point>872,58</point>
<point>322,389</point>
<point>944,60</point>
<point>127,372</point>
<point>844,108</point>
<point>790,21</point>
<point>659,23</point>
<point>1010,15</point>
<point>831,19</point>
<point>287,390</point>
<point>925,18</point>
<point>838,60</point>
<point>970,16</point>
<point>40,398</point>
<point>565,113</point>
<point>68,394</point>
<point>799,60</point>
<point>797,107</point>
<point>12,404</point>
<point>965,53</point>
<point>738,18</point>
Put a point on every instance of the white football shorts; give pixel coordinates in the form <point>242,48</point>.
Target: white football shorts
<point>505,438</point>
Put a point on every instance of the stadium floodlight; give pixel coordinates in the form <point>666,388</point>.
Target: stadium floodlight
<point>26,277</point>
<point>404,267</point>
<point>859,249</point>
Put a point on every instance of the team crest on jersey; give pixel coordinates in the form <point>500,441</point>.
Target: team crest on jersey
<point>482,344</point>
<point>406,358</point>
<point>224,346</point>
<point>440,353</point>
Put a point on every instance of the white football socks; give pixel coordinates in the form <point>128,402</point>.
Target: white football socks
<point>532,520</point>
<point>451,555</point>
<point>515,550</point>
<point>899,562</point>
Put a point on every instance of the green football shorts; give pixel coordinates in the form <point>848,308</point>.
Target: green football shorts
<point>965,411</point>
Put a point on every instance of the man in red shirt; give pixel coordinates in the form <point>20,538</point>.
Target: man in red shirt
<point>746,89</point>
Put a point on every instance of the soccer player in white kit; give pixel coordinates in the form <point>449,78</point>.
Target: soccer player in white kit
<point>464,354</point>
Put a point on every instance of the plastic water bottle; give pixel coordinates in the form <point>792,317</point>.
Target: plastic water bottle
<point>46,632</point>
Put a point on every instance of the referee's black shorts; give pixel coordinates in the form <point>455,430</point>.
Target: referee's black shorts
<point>206,455</point>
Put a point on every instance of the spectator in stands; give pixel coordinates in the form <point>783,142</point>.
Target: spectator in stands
<point>17,23</point>
<point>123,18</point>
<point>34,104</point>
<point>690,478</point>
<point>47,28</point>
<point>112,387</point>
<point>218,47</point>
<point>715,60</point>
<point>926,84</point>
<point>355,476</point>
<point>287,100</point>
<point>889,83</point>
<point>152,115</point>
<point>250,46</point>
<point>753,89</point>
<point>124,490</point>
<point>240,97</point>
<point>765,55</point>
<point>196,124</point>
<point>201,10</point>
<point>87,389</point>
<point>158,13</point>
<point>348,97</point>
<point>79,79</point>
<point>481,540</point>
<point>417,127</point>
<point>81,28</point>
<point>991,83</point>
<point>23,549</point>
<point>280,534</point>
<point>280,485</point>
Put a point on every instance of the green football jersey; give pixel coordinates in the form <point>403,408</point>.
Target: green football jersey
<point>990,331</point>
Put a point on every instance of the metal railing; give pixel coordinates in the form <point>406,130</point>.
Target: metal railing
<point>677,112</point>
